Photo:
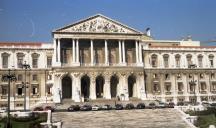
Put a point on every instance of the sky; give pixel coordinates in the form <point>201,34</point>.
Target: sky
<point>34,20</point>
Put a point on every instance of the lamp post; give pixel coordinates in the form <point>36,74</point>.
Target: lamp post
<point>193,82</point>
<point>25,66</point>
<point>9,77</point>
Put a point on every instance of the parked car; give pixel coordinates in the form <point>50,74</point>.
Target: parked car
<point>161,105</point>
<point>73,108</point>
<point>129,106</point>
<point>170,105</point>
<point>119,107</point>
<point>213,105</point>
<point>49,108</point>
<point>106,107</point>
<point>86,108</point>
<point>96,108</point>
<point>38,108</point>
<point>140,106</point>
<point>180,104</point>
<point>152,105</point>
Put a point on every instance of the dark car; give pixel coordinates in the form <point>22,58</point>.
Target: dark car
<point>180,103</point>
<point>73,108</point>
<point>152,105</point>
<point>49,108</point>
<point>38,109</point>
<point>106,107</point>
<point>119,107</point>
<point>129,106</point>
<point>140,106</point>
<point>86,108</point>
<point>170,105</point>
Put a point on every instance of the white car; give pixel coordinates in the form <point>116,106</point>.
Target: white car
<point>96,108</point>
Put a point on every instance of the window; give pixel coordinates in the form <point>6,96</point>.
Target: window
<point>203,86</point>
<point>192,87</point>
<point>5,57</point>
<point>4,90</point>
<point>19,90</point>
<point>168,87</point>
<point>34,89</point>
<point>34,77</point>
<point>189,60</point>
<point>166,60</point>
<point>154,60</point>
<point>20,77</point>
<point>49,89</point>
<point>212,75</point>
<point>155,76</point>
<point>156,87</point>
<point>49,62</point>
<point>35,60</point>
<point>190,76</point>
<point>211,60</point>
<point>202,76</point>
<point>49,77</point>
<point>167,76</point>
<point>177,59</point>
<point>20,57</point>
<point>180,87</point>
<point>200,63</point>
<point>179,76</point>
<point>214,86</point>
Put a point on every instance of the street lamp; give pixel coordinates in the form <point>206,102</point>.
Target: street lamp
<point>193,82</point>
<point>25,66</point>
<point>9,77</point>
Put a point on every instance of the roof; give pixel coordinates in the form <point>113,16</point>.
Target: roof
<point>87,20</point>
<point>198,47</point>
<point>21,43</point>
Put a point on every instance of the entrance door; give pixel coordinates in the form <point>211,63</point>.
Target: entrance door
<point>66,87</point>
<point>131,82</point>
<point>113,86</point>
<point>99,86</point>
<point>85,84</point>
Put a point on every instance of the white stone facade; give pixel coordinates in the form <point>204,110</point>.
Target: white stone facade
<point>99,58</point>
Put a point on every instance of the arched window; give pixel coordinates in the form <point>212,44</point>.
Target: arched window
<point>166,60</point>
<point>177,60</point>
<point>154,60</point>
<point>20,58</point>
<point>189,60</point>
<point>211,60</point>
<point>5,57</point>
<point>35,57</point>
<point>200,61</point>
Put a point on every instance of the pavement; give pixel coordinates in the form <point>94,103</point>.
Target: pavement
<point>145,118</point>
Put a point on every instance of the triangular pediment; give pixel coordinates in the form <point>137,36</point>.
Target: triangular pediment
<point>98,24</point>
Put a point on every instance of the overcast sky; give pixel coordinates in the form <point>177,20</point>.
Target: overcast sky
<point>33,20</point>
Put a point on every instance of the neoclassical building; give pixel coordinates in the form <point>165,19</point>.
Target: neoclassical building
<point>99,58</point>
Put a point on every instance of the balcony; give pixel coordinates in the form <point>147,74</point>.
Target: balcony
<point>168,93</point>
<point>203,92</point>
<point>213,91</point>
<point>180,92</point>
<point>4,97</point>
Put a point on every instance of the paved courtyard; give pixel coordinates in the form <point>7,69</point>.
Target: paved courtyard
<point>146,118</point>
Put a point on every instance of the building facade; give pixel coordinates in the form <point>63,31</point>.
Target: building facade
<point>100,58</point>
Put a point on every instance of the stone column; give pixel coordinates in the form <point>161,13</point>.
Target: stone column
<point>73,47</point>
<point>125,87</point>
<point>59,51</point>
<point>120,52</point>
<point>77,51</point>
<point>137,58</point>
<point>140,53</point>
<point>92,88</point>
<point>123,51</point>
<point>55,51</point>
<point>107,87</point>
<point>106,53</point>
<point>92,53</point>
